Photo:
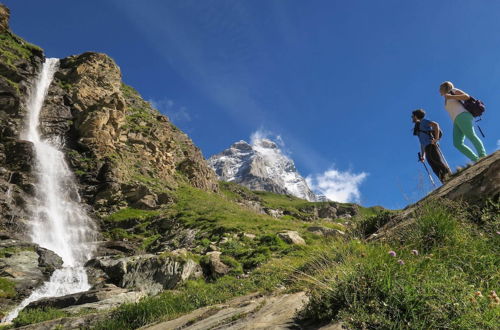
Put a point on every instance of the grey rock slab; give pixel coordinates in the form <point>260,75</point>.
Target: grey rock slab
<point>292,237</point>
<point>247,312</point>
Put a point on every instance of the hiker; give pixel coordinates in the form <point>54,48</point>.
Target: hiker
<point>428,133</point>
<point>462,121</point>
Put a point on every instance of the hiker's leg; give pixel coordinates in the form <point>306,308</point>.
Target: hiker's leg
<point>459,138</point>
<point>436,161</point>
<point>466,124</point>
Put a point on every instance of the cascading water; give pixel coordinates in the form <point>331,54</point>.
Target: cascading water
<point>58,223</point>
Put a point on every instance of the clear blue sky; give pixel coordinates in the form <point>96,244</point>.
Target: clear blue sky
<point>337,80</point>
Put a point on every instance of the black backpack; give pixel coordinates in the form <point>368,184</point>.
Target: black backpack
<point>474,106</point>
<point>417,129</point>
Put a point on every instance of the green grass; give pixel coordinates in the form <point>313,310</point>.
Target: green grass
<point>131,213</point>
<point>13,49</point>
<point>367,288</point>
<point>196,294</point>
<point>36,315</point>
<point>7,288</point>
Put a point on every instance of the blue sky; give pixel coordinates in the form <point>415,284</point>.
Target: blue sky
<point>336,80</point>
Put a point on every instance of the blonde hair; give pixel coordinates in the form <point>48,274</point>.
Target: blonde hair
<point>447,86</point>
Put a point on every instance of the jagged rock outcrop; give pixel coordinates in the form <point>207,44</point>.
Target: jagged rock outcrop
<point>23,267</point>
<point>474,185</point>
<point>261,166</point>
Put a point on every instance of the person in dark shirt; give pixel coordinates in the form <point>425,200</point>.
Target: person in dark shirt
<point>428,133</point>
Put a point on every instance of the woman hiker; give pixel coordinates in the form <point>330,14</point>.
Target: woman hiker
<point>462,121</point>
<point>428,133</point>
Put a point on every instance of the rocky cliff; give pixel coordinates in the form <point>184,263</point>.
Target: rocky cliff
<point>261,166</point>
<point>123,152</point>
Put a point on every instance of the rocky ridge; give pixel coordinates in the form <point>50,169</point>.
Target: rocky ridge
<point>261,166</point>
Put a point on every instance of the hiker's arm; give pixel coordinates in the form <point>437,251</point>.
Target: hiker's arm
<point>459,95</point>
<point>422,153</point>
<point>435,131</point>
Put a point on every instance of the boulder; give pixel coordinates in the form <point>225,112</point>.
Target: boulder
<point>292,237</point>
<point>327,212</point>
<point>149,273</point>
<point>325,231</point>
<point>25,266</point>
<point>214,266</point>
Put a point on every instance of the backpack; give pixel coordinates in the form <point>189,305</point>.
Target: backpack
<point>474,106</point>
<point>417,129</point>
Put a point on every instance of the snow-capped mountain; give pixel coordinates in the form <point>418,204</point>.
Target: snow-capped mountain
<point>261,166</point>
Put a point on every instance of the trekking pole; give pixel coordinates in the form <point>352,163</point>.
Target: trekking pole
<point>426,169</point>
<point>442,156</point>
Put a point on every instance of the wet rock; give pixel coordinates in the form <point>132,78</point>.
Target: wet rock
<point>109,248</point>
<point>292,237</point>
<point>48,261</point>
<point>26,266</point>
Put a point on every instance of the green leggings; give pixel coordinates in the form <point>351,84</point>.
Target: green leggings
<point>463,127</point>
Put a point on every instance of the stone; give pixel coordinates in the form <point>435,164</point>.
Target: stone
<point>216,267</point>
<point>27,266</point>
<point>149,273</point>
<point>325,231</point>
<point>274,213</point>
<point>327,212</point>
<point>292,237</point>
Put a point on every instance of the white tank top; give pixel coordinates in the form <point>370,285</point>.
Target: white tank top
<point>454,107</point>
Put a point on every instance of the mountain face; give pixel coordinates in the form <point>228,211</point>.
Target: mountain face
<point>261,166</point>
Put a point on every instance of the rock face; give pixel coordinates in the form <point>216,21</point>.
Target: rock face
<point>122,150</point>
<point>148,273</point>
<point>23,267</point>
<point>19,63</point>
<point>4,18</point>
<point>261,166</point>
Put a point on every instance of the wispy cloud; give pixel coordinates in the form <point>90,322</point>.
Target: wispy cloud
<point>175,112</point>
<point>337,185</point>
<point>262,133</point>
<point>498,144</point>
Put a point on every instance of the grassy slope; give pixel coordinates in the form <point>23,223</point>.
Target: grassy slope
<point>349,279</point>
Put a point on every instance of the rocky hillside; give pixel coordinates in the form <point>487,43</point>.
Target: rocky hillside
<point>123,152</point>
<point>261,166</point>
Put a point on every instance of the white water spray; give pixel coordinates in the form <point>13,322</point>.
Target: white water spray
<point>58,221</point>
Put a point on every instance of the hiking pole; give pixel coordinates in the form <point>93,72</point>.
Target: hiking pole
<point>426,169</point>
<point>442,156</point>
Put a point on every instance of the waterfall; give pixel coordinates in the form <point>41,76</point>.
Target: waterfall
<point>58,220</point>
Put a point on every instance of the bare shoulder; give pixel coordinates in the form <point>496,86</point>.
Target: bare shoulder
<point>458,91</point>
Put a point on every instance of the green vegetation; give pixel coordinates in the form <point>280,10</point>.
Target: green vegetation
<point>442,273</point>
<point>7,288</point>
<point>13,48</point>
<point>37,315</point>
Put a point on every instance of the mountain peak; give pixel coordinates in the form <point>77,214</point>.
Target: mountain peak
<point>261,166</point>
